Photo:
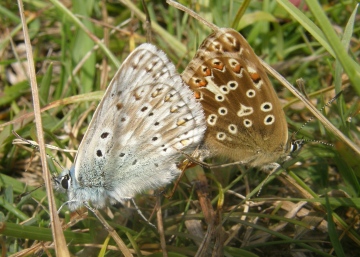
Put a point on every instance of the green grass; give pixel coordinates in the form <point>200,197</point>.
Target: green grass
<point>311,207</point>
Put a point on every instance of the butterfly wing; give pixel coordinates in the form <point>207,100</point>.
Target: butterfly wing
<point>244,116</point>
<point>145,117</point>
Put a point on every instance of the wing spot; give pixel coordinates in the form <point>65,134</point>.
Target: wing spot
<point>224,89</point>
<point>219,98</point>
<point>137,97</point>
<point>217,64</point>
<point>119,106</point>
<point>174,109</point>
<point>266,107</point>
<point>254,75</point>
<point>232,41</point>
<point>198,95</point>
<point>122,154</point>
<point>269,119</point>
<point>181,121</point>
<point>144,108</point>
<point>235,66</point>
<point>205,71</point>
<point>217,46</point>
<point>156,92</point>
<point>168,97</point>
<point>211,120</point>
<point>134,162</point>
<point>104,135</point>
<point>250,93</point>
<point>232,129</point>
<point>245,110</point>
<point>232,85</point>
<point>247,123</point>
<point>222,111</point>
<point>150,67</point>
<point>185,142</point>
<point>199,82</point>
<point>221,136</point>
<point>99,153</point>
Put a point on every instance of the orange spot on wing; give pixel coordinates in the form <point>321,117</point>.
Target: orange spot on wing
<point>218,65</point>
<point>254,76</point>
<point>206,71</point>
<point>197,95</point>
<point>200,82</point>
<point>237,68</point>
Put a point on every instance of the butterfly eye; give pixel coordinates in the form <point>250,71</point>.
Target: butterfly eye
<point>66,181</point>
<point>296,145</point>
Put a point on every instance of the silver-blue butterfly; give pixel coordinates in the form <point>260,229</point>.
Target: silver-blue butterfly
<point>144,122</point>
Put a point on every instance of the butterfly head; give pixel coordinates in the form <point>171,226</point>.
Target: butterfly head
<point>64,180</point>
<point>296,145</point>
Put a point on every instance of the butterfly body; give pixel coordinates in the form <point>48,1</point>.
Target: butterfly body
<point>245,120</point>
<point>147,115</point>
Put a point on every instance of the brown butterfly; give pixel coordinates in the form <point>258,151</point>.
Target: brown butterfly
<point>245,120</point>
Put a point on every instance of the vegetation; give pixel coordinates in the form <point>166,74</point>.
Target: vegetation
<point>308,208</point>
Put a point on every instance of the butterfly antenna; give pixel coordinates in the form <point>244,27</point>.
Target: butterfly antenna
<point>321,109</point>
<point>296,144</point>
<point>301,142</point>
<point>36,147</point>
<point>29,192</point>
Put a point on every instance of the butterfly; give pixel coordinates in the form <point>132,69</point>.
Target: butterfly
<point>146,119</point>
<point>244,117</point>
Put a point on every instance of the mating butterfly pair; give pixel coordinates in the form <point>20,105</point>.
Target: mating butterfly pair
<point>148,116</point>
